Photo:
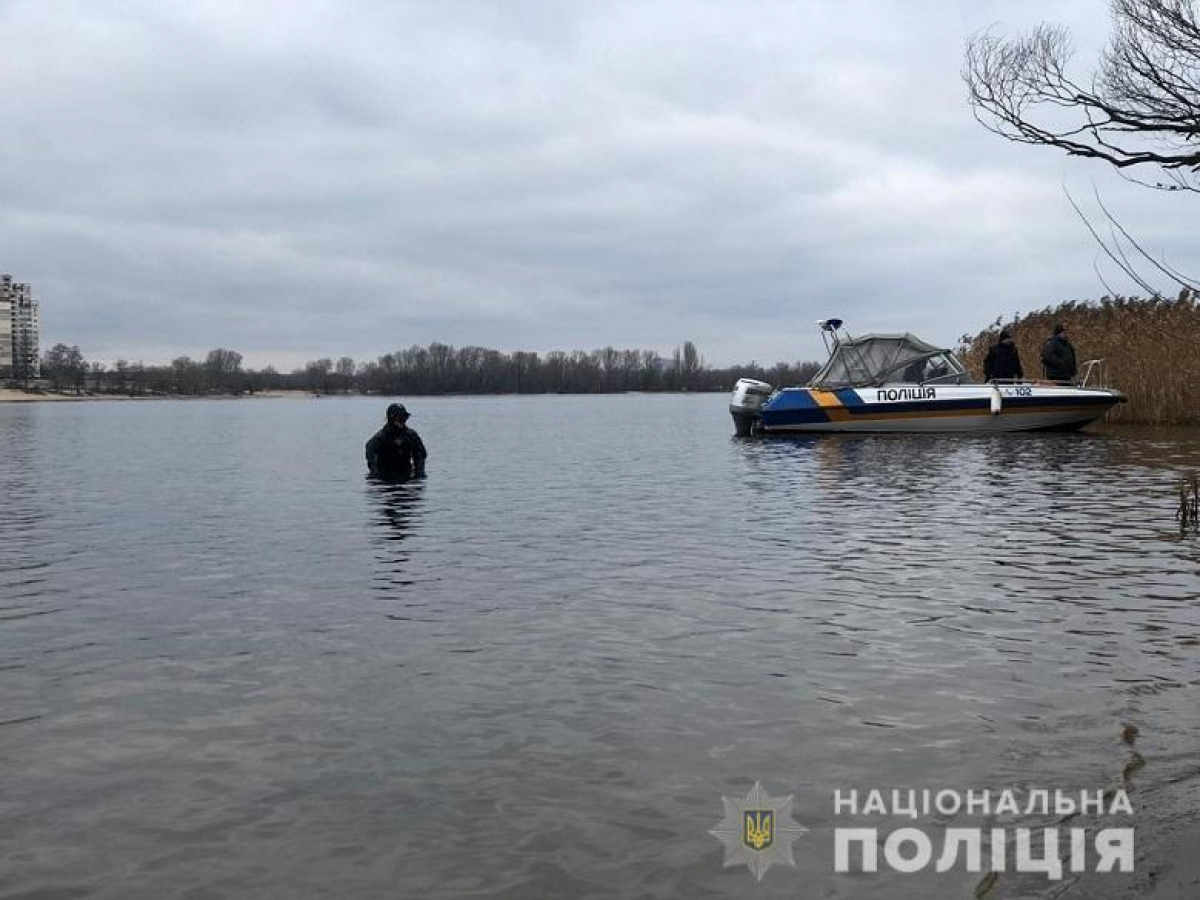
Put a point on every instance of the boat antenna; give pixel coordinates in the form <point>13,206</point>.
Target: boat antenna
<point>832,327</point>
<point>829,327</point>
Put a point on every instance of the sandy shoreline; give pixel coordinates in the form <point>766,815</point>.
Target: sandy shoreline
<point>9,395</point>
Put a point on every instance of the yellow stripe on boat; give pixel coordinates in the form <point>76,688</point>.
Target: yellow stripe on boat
<point>831,404</point>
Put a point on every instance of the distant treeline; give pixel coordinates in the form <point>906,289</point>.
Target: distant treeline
<point>436,369</point>
<point>1151,349</point>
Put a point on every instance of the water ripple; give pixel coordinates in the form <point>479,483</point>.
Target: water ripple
<point>536,671</point>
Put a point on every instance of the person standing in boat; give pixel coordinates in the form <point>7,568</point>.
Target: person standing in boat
<point>1058,355</point>
<point>396,452</point>
<point>1003,360</point>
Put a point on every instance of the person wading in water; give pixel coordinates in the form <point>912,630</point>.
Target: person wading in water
<point>396,452</point>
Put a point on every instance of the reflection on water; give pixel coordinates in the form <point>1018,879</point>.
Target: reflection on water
<point>396,509</point>
<point>397,504</point>
<point>229,667</point>
<point>25,542</point>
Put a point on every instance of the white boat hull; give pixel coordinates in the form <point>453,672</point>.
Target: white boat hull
<point>909,408</point>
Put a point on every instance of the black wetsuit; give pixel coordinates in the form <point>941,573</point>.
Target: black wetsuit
<point>396,452</point>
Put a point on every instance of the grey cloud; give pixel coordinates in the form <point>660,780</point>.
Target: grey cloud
<point>312,178</point>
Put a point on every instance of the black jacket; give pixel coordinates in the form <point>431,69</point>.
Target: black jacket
<point>396,452</point>
<point>1003,361</point>
<point>1058,358</point>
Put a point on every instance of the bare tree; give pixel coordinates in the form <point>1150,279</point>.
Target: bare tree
<point>1140,109</point>
<point>690,364</point>
<point>609,361</point>
<point>317,374</point>
<point>224,368</point>
<point>187,376</point>
<point>76,368</point>
<point>525,364</point>
<point>345,371</point>
<point>55,366</point>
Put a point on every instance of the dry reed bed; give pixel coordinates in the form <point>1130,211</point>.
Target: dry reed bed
<point>1152,347</point>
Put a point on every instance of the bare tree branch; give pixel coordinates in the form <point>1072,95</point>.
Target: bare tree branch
<point>1122,264</point>
<point>1182,281</point>
<point>1143,106</point>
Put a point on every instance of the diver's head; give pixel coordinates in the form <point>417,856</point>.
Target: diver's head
<point>397,413</point>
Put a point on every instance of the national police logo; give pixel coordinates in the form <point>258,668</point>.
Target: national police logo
<point>758,831</point>
<point>758,828</point>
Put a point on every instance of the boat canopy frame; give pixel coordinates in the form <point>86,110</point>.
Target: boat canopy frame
<point>876,359</point>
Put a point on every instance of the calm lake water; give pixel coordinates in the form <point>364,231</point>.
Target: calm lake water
<point>231,667</point>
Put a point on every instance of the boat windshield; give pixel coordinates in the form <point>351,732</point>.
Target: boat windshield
<point>888,358</point>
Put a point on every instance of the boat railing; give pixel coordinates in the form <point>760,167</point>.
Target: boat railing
<point>1095,377</point>
<point>1097,367</point>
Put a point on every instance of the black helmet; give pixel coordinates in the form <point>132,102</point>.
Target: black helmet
<point>397,411</point>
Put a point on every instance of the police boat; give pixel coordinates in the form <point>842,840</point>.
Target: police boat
<point>899,383</point>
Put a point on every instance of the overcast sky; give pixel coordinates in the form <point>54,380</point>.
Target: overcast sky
<point>298,178</point>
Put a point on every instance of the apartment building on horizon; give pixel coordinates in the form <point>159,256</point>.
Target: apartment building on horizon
<point>19,331</point>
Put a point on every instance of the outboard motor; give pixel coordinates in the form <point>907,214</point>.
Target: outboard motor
<point>747,403</point>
